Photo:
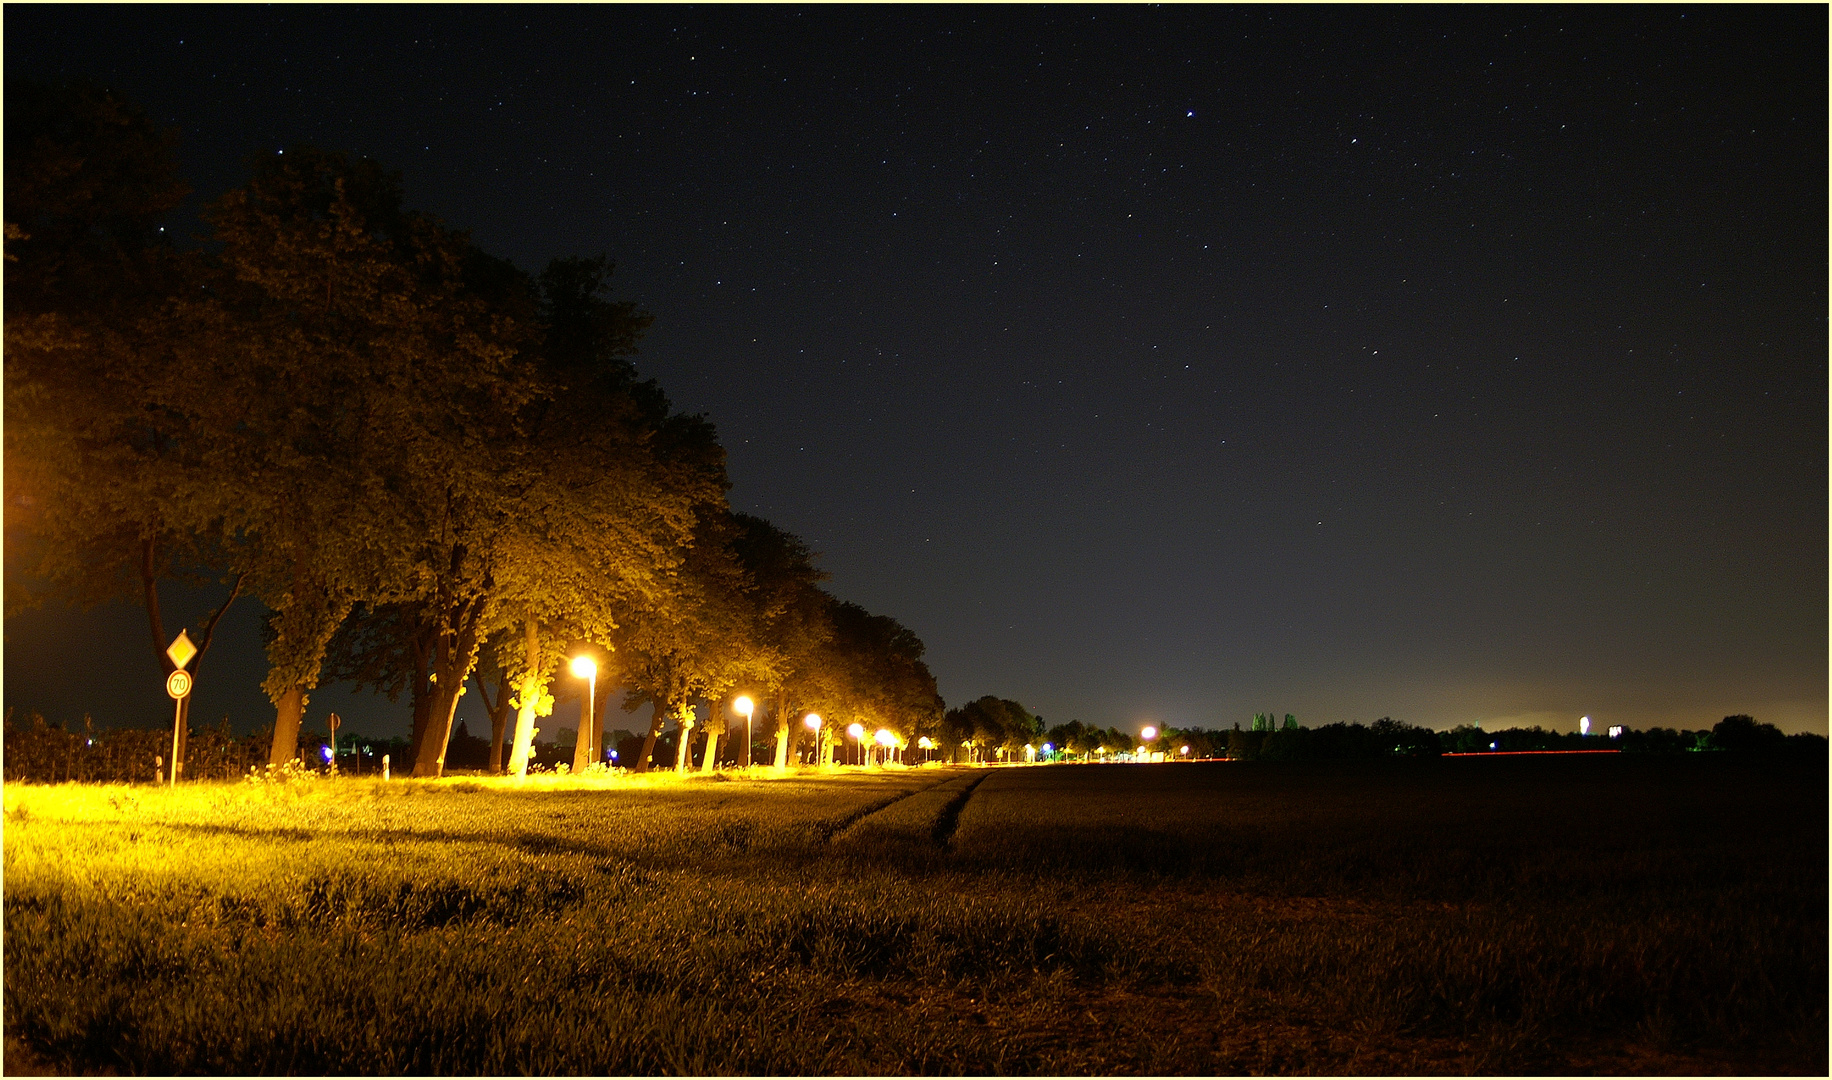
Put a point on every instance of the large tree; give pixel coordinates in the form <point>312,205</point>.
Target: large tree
<point>110,488</point>
<point>789,617</point>
<point>697,641</point>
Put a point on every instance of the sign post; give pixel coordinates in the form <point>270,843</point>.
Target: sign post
<point>178,687</point>
<point>334,723</point>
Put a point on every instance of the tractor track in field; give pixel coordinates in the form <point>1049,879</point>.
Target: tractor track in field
<point>930,815</point>
<point>950,817</point>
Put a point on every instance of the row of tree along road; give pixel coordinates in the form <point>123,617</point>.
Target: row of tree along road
<point>436,471</point>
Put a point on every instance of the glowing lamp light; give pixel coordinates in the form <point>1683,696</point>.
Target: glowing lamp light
<point>327,753</point>
<point>1584,725</point>
<point>1185,751</point>
<point>1047,748</point>
<point>857,731</point>
<point>1150,733</point>
<point>584,667</point>
<point>813,721</point>
<point>742,706</point>
<point>925,743</point>
<point>884,738</point>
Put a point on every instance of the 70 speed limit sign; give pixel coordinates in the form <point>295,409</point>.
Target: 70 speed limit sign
<point>178,683</point>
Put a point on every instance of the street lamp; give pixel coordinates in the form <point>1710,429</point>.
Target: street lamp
<point>857,731</point>
<point>813,720</point>
<point>742,706</point>
<point>885,739</point>
<point>1150,733</point>
<point>586,668</point>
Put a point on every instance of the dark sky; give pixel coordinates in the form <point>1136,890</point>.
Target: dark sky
<point>1153,365</point>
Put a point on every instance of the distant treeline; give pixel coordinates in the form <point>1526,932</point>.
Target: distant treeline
<point>1392,738</point>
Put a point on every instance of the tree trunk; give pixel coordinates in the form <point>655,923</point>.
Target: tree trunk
<point>782,729</point>
<point>453,657</point>
<point>422,696</point>
<point>582,743</point>
<point>288,713</point>
<point>683,754</point>
<point>532,686</point>
<point>598,723</point>
<point>499,720</point>
<point>662,709</point>
<point>711,761</point>
<point>444,706</point>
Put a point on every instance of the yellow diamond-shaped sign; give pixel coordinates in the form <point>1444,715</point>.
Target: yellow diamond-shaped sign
<point>181,650</point>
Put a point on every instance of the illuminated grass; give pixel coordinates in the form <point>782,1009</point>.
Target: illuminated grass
<point>1107,919</point>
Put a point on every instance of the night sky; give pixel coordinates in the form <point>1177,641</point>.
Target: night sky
<point>1152,365</point>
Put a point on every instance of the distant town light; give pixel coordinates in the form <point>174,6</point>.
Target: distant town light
<point>1615,731</point>
<point>1150,733</point>
<point>1584,725</point>
<point>1185,750</point>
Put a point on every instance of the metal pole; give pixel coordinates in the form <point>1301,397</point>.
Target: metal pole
<point>177,718</point>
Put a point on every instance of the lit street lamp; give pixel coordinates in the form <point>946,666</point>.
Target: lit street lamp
<point>742,706</point>
<point>857,731</point>
<point>885,739</point>
<point>813,720</point>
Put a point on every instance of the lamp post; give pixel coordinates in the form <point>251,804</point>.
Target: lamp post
<point>742,706</point>
<point>586,668</point>
<point>813,722</point>
<point>857,731</point>
<point>884,738</point>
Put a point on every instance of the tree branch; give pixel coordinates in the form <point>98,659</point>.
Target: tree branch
<point>150,583</point>
<point>210,627</point>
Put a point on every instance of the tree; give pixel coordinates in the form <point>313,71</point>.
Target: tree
<point>696,642</point>
<point>109,489</point>
<point>789,618</point>
<point>1743,734</point>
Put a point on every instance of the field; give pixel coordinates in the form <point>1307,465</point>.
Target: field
<point>1498,915</point>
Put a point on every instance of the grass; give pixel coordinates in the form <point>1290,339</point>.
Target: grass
<point>1464,916</point>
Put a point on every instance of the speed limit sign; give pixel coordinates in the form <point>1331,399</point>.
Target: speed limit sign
<point>178,683</point>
